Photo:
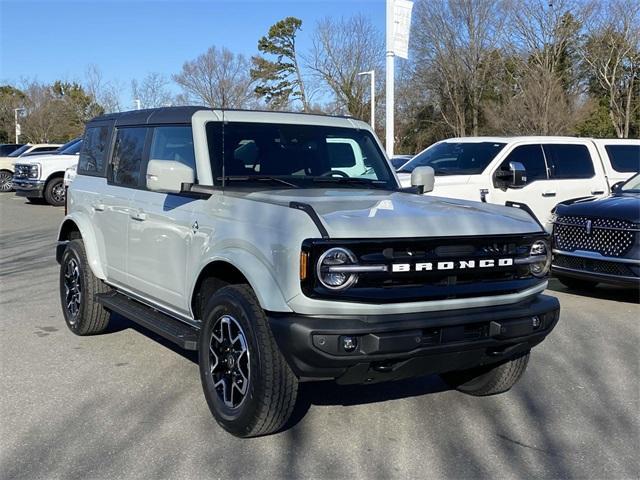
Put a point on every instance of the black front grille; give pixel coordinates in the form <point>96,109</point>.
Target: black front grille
<point>609,237</point>
<point>21,171</point>
<point>593,265</point>
<point>394,286</point>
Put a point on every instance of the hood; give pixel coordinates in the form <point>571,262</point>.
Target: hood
<point>353,213</point>
<point>624,206</point>
<point>440,180</point>
<point>42,158</point>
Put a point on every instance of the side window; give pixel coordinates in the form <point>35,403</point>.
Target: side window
<point>93,152</point>
<point>173,143</point>
<point>624,158</point>
<point>44,149</point>
<point>533,160</point>
<point>341,154</point>
<point>127,156</point>
<point>569,161</point>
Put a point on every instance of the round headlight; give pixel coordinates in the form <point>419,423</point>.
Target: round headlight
<point>331,269</point>
<point>541,249</point>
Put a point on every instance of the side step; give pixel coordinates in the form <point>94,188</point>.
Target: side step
<point>168,327</point>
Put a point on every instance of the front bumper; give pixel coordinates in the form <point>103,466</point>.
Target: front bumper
<point>391,347</point>
<point>28,188</point>
<point>597,268</point>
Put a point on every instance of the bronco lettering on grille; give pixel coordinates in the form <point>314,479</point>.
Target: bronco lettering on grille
<point>451,265</point>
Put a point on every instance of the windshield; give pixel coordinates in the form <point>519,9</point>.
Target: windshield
<point>296,156</point>
<point>449,158</point>
<point>20,151</point>
<point>70,143</point>
<point>71,148</point>
<point>632,185</point>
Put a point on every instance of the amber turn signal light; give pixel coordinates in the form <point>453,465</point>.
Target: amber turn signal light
<point>304,261</point>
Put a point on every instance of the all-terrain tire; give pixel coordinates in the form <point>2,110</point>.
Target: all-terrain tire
<point>85,316</point>
<point>489,380</point>
<point>576,283</point>
<point>272,387</point>
<point>54,192</point>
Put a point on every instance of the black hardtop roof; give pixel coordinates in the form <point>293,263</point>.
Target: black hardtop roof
<point>152,116</point>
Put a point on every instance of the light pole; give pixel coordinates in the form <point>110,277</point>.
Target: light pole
<point>137,100</point>
<point>390,30</point>
<point>372,73</point>
<point>15,112</point>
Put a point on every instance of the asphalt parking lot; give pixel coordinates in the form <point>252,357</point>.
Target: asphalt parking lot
<point>127,405</point>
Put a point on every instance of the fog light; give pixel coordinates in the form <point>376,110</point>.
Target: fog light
<point>349,344</point>
<point>536,322</point>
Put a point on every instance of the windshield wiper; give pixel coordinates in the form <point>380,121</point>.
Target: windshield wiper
<point>353,180</point>
<point>258,178</point>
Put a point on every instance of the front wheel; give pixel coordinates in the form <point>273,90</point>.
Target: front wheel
<point>6,181</point>
<point>248,385</point>
<point>54,192</point>
<point>488,380</point>
<point>78,287</point>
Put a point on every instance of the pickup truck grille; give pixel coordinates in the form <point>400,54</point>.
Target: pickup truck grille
<point>607,236</point>
<point>21,171</point>
<point>434,284</point>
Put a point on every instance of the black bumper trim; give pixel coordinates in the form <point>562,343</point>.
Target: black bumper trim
<point>399,346</point>
<point>596,277</point>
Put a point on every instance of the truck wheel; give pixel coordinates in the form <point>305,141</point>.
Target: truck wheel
<point>54,192</point>
<point>576,283</point>
<point>249,386</point>
<point>6,181</point>
<point>489,380</point>
<point>78,286</point>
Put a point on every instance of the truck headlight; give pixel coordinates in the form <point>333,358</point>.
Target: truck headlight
<point>34,171</point>
<point>540,249</point>
<point>333,268</point>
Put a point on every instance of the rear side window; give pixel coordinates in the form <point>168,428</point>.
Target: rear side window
<point>44,149</point>
<point>533,160</point>
<point>569,161</point>
<point>94,149</point>
<point>173,143</point>
<point>127,157</point>
<point>624,158</point>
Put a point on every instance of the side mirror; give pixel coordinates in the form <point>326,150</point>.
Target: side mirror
<point>167,176</point>
<point>423,178</point>
<point>514,177</point>
<point>616,186</point>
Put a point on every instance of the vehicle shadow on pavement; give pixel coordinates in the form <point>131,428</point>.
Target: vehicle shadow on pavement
<point>602,292</point>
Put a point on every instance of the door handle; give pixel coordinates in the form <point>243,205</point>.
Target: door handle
<point>549,193</point>
<point>98,207</point>
<point>597,192</point>
<point>139,216</point>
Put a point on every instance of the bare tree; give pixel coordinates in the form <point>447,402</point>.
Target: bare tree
<point>152,91</point>
<point>218,78</point>
<point>105,93</point>
<point>454,43</point>
<point>342,49</point>
<point>612,57</point>
<point>543,36</point>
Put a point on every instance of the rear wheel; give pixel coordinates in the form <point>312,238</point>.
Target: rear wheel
<point>488,380</point>
<point>54,192</point>
<point>576,283</point>
<point>78,287</point>
<point>248,385</point>
<point>6,181</point>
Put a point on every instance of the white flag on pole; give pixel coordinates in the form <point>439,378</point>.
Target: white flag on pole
<point>402,26</point>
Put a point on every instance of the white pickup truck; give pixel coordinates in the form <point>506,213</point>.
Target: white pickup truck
<point>41,177</point>
<point>539,172</point>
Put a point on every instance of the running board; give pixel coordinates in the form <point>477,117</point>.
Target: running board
<point>168,327</point>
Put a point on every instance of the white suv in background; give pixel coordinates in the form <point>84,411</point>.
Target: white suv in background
<point>538,172</point>
<point>41,177</point>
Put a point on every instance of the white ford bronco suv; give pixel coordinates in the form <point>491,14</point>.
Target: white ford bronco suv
<point>252,238</point>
